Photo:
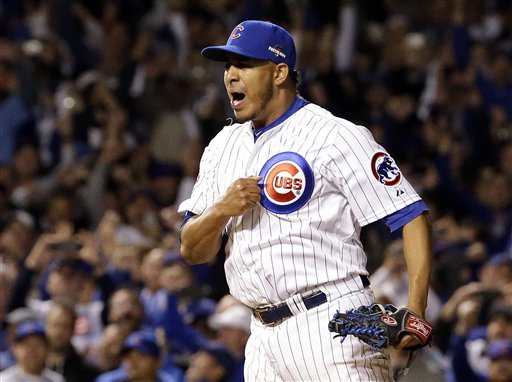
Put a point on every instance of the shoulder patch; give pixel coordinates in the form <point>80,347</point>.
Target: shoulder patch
<point>385,170</point>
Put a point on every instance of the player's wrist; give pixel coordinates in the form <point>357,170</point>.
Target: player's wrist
<point>219,212</point>
<point>416,309</point>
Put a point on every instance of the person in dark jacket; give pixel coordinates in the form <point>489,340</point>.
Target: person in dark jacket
<point>62,356</point>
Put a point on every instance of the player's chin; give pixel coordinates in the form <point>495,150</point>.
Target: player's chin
<point>241,117</point>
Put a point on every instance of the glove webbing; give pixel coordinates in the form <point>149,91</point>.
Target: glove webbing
<point>373,331</point>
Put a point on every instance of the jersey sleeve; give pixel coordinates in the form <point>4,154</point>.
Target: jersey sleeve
<point>367,175</point>
<point>203,192</point>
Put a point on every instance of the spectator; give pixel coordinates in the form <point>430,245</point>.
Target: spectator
<point>213,363</point>
<point>141,362</point>
<point>500,356</point>
<point>10,324</point>
<point>62,356</point>
<point>153,297</point>
<point>30,349</point>
<point>470,361</point>
<point>233,326</point>
<point>125,309</point>
<point>106,354</point>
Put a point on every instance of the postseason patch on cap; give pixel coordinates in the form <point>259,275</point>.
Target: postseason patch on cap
<point>287,182</point>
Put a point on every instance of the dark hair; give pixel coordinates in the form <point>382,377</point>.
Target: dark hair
<point>296,79</point>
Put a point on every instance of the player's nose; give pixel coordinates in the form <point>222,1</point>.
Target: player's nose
<point>231,73</point>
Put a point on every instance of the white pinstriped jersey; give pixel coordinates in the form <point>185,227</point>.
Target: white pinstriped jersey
<point>324,177</point>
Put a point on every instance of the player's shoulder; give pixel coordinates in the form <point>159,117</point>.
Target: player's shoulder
<point>227,131</point>
<point>329,121</point>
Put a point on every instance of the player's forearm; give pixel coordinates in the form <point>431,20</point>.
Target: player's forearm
<point>418,256</point>
<point>201,237</point>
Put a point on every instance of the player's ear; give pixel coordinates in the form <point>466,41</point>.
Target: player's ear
<point>281,73</point>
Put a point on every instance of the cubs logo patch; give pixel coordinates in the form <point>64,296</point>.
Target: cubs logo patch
<point>385,170</point>
<point>287,183</point>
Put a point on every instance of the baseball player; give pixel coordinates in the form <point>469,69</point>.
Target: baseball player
<point>287,189</point>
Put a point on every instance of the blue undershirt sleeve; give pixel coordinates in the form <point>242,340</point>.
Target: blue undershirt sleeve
<point>401,217</point>
<point>186,218</point>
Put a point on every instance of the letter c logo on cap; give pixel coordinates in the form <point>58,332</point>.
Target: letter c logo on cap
<point>237,29</point>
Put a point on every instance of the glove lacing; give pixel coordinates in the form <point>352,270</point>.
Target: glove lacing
<point>373,334</point>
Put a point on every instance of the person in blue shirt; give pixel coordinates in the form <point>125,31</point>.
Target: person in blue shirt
<point>142,361</point>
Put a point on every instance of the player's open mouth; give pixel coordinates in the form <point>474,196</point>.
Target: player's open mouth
<point>237,100</point>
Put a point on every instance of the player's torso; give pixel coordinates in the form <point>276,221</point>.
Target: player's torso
<point>302,234</point>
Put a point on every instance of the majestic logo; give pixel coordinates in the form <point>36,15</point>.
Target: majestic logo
<point>419,327</point>
<point>277,50</point>
<point>288,183</point>
<point>389,320</point>
<point>235,34</point>
<point>385,169</point>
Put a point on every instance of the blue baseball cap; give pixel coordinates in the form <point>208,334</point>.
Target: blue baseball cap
<point>221,355</point>
<point>142,341</point>
<point>260,40</point>
<point>29,328</point>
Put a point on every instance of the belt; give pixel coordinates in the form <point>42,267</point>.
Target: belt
<point>272,314</point>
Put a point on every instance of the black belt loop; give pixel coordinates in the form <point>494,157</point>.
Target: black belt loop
<point>365,280</point>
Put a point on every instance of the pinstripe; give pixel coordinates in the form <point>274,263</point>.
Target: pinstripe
<point>313,353</point>
<point>354,173</point>
<point>301,346</point>
<point>365,364</point>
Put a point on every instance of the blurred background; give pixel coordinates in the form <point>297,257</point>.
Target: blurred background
<point>105,109</point>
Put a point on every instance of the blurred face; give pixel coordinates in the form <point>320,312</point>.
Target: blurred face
<point>499,328</point>
<point>165,189</point>
<point>26,162</point>
<point>16,239</point>
<point>63,283</point>
<point>152,268</point>
<point>204,367</point>
<point>250,87</point>
<point>496,275</point>
<point>30,354</point>
<point>59,209</point>
<point>500,370</point>
<point>175,278</point>
<point>59,329</point>
<point>126,309</point>
<point>138,208</point>
<point>140,367</point>
<point>127,258</point>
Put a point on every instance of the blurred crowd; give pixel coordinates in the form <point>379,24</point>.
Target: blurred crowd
<point>105,108</point>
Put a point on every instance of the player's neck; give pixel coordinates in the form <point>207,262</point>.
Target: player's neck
<point>276,108</point>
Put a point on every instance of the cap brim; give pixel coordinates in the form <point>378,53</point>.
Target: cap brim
<point>220,53</point>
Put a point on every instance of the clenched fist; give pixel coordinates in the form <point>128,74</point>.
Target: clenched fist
<point>241,196</point>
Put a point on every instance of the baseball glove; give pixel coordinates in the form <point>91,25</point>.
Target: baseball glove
<point>381,326</point>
